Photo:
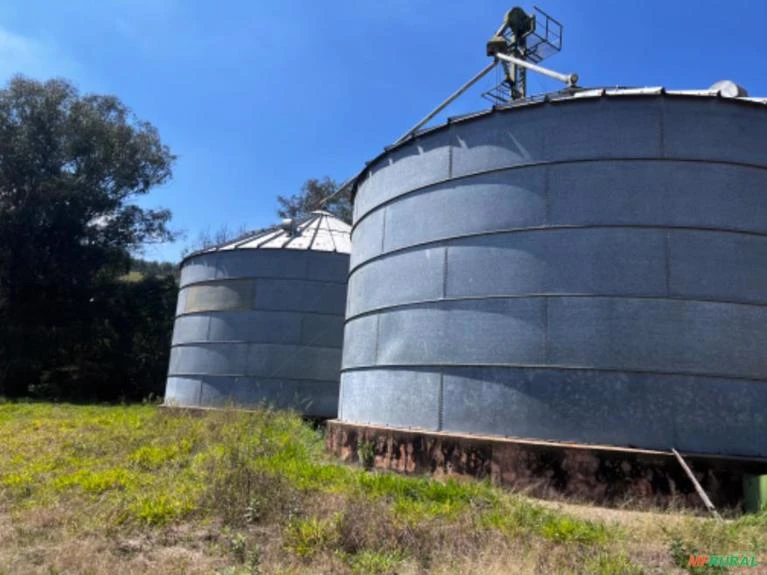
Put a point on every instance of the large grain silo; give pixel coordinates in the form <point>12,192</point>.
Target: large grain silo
<point>260,320</point>
<point>586,267</point>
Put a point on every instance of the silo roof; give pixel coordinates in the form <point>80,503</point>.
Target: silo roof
<point>321,232</point>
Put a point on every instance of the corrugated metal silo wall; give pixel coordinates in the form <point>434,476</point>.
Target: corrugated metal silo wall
<point>259,326</point>
<point>590,271</point>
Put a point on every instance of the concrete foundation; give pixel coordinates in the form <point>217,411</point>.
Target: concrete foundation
<point>599,474</point>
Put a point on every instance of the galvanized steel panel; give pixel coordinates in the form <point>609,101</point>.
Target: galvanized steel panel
<point>573,261</point>
<point>262,263</point>
<point>255,326</point>
<point>368,237</point>
<point>597,407</point>
<point>489,144</point>
<point>657,193</point>
<point>327,267</point>
<point>557,405</point>
<point>718,266</point>
<point>418,164</point>
<point>669,336</point>
<point>360,342</point>
<point>402,398</point>
<point>218,296</point>
<point>181,302</point>
<point>534,136</point>
<point>199,269</point>
<point>209,358</point>
<point>465,331</point>
<point>624,128</point>
<point>604,260</point>
<point>720,416</point>
<point>495,201</point>
<point>328,329</point>
<point>710,129</point>
<point>389,281</point>
<point>312,398</point>
<point>299,295</point>
<point>191,328</point>
<point>606,193</point>
<point>183,391</point>
<point>288,361</point>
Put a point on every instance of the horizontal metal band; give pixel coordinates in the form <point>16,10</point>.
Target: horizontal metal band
<point>259,378</point>
<point>225,311</point>
<point>549,367</point>
<point>444,242</point>
<point>384,309</point>
<point>260,277</point>
<point>547,163</point>
<point>245,342</point>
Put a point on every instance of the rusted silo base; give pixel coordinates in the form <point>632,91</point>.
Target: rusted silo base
<point>598,474</point>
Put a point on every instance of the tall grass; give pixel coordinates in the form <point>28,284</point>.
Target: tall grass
<point>256,492</point>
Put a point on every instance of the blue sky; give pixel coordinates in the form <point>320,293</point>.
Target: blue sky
<point>256,97</point>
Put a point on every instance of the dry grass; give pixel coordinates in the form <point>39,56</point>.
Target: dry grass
<point>136,489</point>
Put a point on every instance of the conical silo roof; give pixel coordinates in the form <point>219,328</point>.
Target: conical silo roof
<point>321,231</point>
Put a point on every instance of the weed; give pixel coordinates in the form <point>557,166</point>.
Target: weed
<point>97,481</point>
<point>151,457</point>
<point>238,546</point>
<point>161,508</point>
<point>306,537</point>
<point>523,517</point>
<point>607,564</point>
<point>366,452</point>
<point>374,562</point>
<point>254,560</point>
<point>566,529</point>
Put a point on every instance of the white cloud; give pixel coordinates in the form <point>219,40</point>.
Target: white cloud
<point>35,57</point>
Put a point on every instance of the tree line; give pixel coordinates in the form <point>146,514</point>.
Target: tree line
<point>82,317</point>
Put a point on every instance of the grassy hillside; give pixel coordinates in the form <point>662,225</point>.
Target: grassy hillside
<point>136,489</point>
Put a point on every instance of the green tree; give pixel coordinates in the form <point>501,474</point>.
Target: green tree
<point>317,195</point>
<point>71,166</point>
<point>126,351</point>
<point>207,239</point>
<point>148,268</point>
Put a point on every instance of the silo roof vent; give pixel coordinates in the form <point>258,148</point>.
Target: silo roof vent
<point>289,225</point>
<point>729,89</point>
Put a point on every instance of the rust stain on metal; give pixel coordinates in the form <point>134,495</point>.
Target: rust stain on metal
<point>547,470</point>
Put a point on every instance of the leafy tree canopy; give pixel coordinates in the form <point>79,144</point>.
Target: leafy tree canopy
<point>148,268</point>
<point>71,166</point>
<point>311,197</point>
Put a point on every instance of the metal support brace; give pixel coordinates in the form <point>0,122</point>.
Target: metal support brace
<point>449,100</point>
<point>698,487</point>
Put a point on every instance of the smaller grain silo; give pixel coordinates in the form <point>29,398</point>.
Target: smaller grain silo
<point>260,320</point>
